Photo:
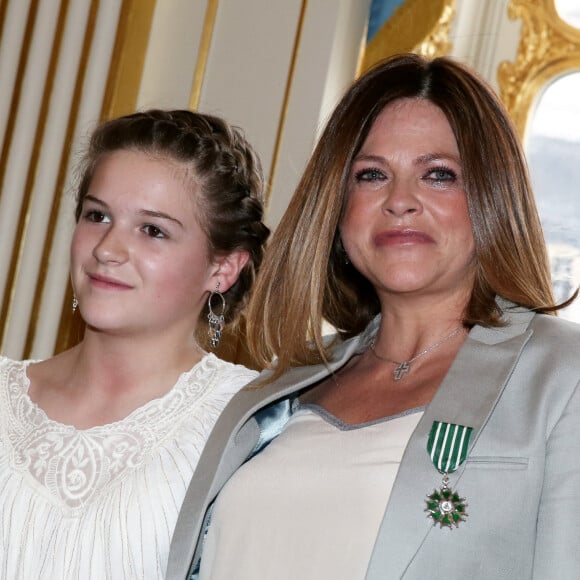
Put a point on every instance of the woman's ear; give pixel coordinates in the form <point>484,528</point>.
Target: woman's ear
<point>228,269</point>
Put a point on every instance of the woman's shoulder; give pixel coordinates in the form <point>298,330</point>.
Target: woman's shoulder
<point>554,347</point>
<point>556,329</point>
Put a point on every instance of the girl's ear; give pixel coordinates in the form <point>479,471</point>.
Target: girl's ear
<point>228,270</point>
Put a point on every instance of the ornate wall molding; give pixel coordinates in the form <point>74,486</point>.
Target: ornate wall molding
<point>437,42</point>
<point>420,26</point>
<point>548,47</point>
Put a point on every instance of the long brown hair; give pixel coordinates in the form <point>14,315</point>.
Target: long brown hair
<point>305,277</point>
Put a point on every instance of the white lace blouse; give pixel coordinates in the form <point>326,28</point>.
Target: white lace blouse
<point>101,503</point>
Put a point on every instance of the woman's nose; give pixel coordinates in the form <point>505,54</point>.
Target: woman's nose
<point>401,198</point>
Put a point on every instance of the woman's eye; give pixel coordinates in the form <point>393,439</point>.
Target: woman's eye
<point>369,175</point>
<point>154,231</point>
<point>96,216</point>
<point>442,175</point>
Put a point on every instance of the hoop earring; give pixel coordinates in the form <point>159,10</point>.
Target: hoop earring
<point>75,304</point>
<point>216,321</point>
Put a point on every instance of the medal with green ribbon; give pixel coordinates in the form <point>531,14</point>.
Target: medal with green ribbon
<point>447,446</point>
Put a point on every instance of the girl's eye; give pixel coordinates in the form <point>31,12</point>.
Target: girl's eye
<point>96,216</point>
<point>154,231</point>
<point>369,175</point>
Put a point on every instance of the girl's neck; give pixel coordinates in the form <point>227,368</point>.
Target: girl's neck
<point>100,380</point>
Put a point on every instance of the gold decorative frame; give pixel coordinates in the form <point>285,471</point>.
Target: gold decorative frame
<point>203,52</point>
<point>128,58</point>
<point>420,26</point>
<point>548,47</point>
<point>3,7</point>
<point>287,91</point>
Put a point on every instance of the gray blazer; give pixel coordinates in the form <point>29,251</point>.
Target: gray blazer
<point>517,387</point>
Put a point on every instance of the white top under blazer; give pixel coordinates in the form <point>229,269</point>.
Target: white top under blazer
<point>315,498</point>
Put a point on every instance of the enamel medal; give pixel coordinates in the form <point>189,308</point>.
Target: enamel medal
<point>447,446</point>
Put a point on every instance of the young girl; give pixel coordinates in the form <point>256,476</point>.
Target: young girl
<point>98,444</point>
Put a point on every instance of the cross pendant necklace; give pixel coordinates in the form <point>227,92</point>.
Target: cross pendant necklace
<point>404,367</point>
<point>401,369</point>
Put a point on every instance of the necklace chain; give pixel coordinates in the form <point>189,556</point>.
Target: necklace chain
<point>403,367</point>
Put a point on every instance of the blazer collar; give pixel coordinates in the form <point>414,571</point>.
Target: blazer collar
<point>467,396</point>
<point>255,396</point>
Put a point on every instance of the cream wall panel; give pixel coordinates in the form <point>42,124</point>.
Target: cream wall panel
<point>248,67</point>
<point>172,53</point>
<point>348,44</point>
<point>12,35</point>
<point>24,137</point>
<point>88,115</point>
<point>326,64</point>
<point>251,81</point>
<point>45,183</point>
<point>483,36</point>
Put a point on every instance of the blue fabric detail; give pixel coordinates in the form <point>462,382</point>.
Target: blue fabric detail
<point>271,420</point>
<point>380,11</point>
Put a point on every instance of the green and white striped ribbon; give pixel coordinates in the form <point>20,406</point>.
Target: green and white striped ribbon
<point>447,445</point>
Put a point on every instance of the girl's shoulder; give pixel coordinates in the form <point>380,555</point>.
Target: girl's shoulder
<point>216,370</point>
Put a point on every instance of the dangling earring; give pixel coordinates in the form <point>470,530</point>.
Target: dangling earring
<point>343,252</point>
<point>75,304</point>
<point>216,321</point>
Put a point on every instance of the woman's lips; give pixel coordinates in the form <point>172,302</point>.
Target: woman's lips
<point>402,238</point>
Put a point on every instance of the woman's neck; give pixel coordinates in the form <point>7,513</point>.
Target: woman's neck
<point>409,327</point>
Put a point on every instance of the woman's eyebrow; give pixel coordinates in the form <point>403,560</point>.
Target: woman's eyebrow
<point>430,157</point>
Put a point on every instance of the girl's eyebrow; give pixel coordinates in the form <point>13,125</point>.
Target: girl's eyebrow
<point>143,212</point>
<point>160,214</point>
<point>94,199</point>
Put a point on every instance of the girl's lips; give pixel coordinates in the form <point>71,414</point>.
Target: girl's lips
<point>106,282</point>
<point>402,237</point>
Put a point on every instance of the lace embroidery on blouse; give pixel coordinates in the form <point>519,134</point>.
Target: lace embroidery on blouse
<point>73,465</point>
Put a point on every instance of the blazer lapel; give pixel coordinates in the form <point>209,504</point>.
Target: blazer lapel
<point>467,397</point>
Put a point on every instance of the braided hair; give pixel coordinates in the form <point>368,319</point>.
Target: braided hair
<point>221,167</point>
